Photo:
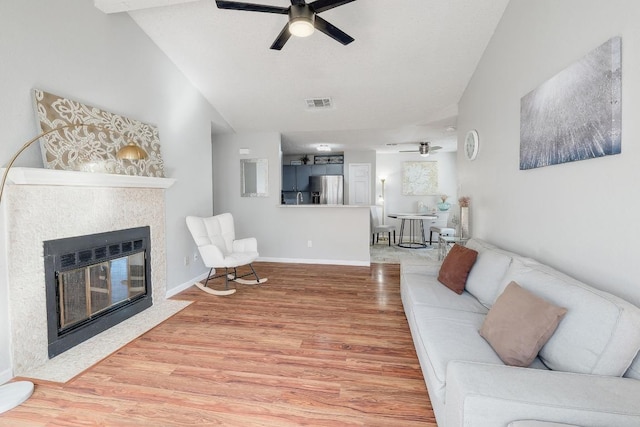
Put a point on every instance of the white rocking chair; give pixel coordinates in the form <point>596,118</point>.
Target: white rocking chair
<point>218,247</point>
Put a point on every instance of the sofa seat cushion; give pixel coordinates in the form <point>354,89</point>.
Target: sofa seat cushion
<point>599,335</point>
<point>428,267</point>
<point>424,289</point>
<point>537,423</point>
<point>447,335</point>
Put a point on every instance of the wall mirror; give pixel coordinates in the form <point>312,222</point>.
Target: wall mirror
<point>254,174</point>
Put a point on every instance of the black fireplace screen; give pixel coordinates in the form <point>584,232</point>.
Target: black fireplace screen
<point>88,291</point>
<point>94,282</point>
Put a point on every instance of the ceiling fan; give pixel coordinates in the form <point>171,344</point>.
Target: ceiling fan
<point>303,18</point>
<point>424,148</point>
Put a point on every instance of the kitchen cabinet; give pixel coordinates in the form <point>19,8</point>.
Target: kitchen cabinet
<point>303,173</point>
<point>335,169</point>
<point>288,178</point>
<point>296,178</point>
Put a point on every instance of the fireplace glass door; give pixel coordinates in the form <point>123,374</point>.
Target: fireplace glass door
<point>88,291</point>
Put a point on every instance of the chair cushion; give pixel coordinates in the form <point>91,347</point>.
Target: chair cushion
<point>455,268</point>
<point>519,324</point>
<point>445,231</point>
<point>237,259</point>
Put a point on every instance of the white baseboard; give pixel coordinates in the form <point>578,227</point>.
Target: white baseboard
<point>176,290</point>
<point>6,375</point>
<point>316,261</point>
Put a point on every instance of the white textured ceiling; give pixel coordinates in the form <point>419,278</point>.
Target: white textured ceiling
<point>399,81</point>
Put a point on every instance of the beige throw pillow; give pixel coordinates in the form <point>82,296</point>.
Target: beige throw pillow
<point>519,324</point>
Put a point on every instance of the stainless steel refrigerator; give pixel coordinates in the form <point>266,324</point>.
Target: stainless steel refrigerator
<point>327,189</point>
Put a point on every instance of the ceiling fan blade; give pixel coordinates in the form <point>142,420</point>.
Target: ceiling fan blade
<point>435,147</point>
<point>250,7</point>
<point>322,5</point>
<point>282,38</point>
<point>332,31</point>
<point>407,151</point>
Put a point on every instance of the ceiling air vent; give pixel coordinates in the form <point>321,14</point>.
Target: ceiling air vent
<point>319,103</point>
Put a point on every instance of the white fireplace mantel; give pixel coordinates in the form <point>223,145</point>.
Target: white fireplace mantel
<point>41,176</point>
<point>75,204</point>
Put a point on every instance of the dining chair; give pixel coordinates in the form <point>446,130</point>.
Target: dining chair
<point>377,227</point>
<point>444,226</point>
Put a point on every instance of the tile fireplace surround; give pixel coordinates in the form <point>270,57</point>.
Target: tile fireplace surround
<point>43,204</point>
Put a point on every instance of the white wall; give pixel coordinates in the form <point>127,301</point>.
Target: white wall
<point>389,165</point>
<point>72,49</point>
<point>579,217</point>
<point>339,235</point>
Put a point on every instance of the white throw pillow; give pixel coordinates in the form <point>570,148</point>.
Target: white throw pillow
<point>485,278</point>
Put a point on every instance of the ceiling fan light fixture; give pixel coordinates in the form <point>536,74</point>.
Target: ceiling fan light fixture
<point>424,149</point>
<point>301,21</point>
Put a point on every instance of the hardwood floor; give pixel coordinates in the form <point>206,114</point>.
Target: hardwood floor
<point>316,345</point>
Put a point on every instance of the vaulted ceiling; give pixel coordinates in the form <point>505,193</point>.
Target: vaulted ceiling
<point>399,81</point>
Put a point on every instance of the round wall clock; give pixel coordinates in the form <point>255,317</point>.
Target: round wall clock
<point>471,144</point>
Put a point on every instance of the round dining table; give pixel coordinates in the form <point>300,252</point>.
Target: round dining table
<point>416,239</point>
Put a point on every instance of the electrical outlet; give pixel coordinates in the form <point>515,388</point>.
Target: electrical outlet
<point>309,243</point>
<point>186,260</point>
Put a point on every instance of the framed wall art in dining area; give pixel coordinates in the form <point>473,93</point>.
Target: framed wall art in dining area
<point>419,178</point>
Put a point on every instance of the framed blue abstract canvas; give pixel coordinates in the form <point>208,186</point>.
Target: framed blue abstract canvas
<point>575,115</point>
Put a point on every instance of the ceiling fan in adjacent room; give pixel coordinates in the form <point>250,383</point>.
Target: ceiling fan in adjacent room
<point>303,18</point>
<point>424,148</point>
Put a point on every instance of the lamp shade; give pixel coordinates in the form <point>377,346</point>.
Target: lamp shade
<point>131,151</point>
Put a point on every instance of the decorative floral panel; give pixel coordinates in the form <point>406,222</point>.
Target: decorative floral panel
<point>93,149</point>
<point>419,178</point>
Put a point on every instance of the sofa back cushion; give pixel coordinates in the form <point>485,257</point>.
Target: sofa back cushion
<point>634,369</point>
<point>600,334</point>
<point>485,278</point>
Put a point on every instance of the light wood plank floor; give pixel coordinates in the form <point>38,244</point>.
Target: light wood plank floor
<point>316,345</point>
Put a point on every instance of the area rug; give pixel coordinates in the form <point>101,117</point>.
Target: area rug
<point>74,361</point>
<point>385,254</point>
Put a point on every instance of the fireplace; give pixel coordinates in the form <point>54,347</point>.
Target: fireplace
<point>37,208</point>
<point>94,282</point>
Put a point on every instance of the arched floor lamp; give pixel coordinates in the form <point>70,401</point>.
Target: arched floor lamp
<point>14,393</point>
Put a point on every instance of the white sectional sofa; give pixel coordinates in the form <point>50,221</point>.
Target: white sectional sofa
<point>587,374</point>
